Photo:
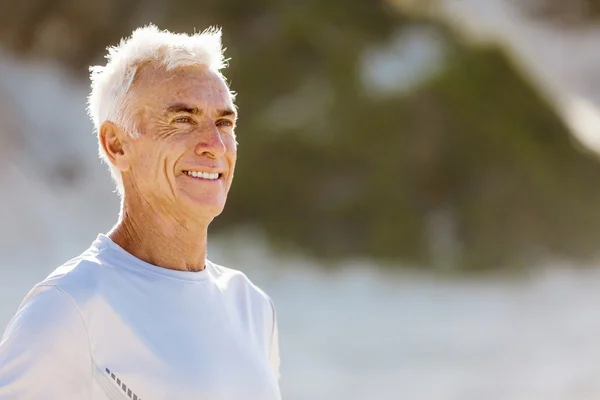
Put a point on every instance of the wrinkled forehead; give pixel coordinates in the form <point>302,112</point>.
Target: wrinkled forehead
<point>198,86</point>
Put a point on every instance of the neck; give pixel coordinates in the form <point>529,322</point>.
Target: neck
<point>160,239</point>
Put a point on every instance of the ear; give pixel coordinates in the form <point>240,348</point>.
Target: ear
<point>111,139</point>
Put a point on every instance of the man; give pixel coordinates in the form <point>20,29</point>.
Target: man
<point>142,314</point>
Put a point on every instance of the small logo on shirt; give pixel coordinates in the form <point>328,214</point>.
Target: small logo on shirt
<point>123,386</point>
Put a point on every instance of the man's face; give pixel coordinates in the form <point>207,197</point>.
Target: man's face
<point>184,159</point>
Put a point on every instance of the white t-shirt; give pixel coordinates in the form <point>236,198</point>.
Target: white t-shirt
<point>109,326</point>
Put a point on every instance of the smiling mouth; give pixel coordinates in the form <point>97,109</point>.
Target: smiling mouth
<point>204,175</point>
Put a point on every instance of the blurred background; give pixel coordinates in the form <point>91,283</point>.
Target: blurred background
<point>418,184</point>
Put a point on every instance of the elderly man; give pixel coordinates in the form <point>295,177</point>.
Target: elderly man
<point>142,314</point>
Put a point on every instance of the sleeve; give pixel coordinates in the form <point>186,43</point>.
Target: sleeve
<point>274,350</point>
<point>45,353</point>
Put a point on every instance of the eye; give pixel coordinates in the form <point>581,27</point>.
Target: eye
<point>182,120</point>
<point>225,122</point>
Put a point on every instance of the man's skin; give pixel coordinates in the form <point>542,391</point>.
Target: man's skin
<point>185,120</point>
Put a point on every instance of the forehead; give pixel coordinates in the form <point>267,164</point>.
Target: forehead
<point>197,85</point>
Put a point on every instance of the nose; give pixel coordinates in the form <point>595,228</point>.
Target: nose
<point>210,143</point>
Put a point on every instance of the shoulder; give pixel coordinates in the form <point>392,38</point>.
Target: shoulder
<point>237,281</point>
<point>74,282</point>
<point>47,328</point>
<point>45,342</point>
<point>79,269</point>
<point>45,309</point>
<point>233,277</point>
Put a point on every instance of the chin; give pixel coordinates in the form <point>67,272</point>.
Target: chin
<point>206,205</point>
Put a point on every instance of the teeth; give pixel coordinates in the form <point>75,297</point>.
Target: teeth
<point>204,175</point>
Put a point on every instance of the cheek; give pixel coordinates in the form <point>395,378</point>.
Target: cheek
<point>232,157</point>
<point>152,158</point>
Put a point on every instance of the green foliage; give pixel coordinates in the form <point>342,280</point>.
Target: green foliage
<point>522,188</point>
<point>327,167</point>
<point>361,176</point>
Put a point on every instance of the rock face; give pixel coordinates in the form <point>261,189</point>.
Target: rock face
<point>460,161</point>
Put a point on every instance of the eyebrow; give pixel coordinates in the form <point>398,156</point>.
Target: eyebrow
<point>227,112</point>
<point>182,107</point>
